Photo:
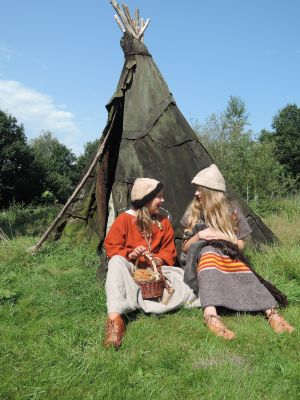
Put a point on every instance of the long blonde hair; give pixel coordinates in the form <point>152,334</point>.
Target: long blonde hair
<point>145,221</point>
<point>216,210</point>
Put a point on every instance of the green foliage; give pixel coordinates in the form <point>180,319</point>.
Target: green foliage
<point>85,159</point>
<point>48,197</point>
<point>235,116</point>
<point>19,171</point>
<point>52,153</point>
<point>58,165</point>
<point>53,314</point>
<point>286,140</point>
<point>249,166</point>
<point>266,136</point>
<point>43,172</point>
<point>286,124</point>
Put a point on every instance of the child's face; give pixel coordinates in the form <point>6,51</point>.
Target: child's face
<point>153,205</point>
<point>198,193</point>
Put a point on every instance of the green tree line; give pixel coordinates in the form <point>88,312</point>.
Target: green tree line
<point>44,170</point>
<point>258,167</point>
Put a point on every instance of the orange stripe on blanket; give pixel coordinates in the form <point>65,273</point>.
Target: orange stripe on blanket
<point>224,259</point>
<point>218,261</point>
<point>235,265</point>
<point>214,262</point>
<point>223,269</point>
<point>221,259</point>
<point>221,263</point>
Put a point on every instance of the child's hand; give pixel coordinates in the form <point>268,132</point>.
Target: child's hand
<point>137,252</point>
<point>158,261</point>
<point>148,255</point>
<point>211,234</point>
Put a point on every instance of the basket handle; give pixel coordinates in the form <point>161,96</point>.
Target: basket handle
<point>136,263</point>
<point>153,264</point>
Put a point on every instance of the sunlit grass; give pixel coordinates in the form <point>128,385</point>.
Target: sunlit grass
<point>52,312</point>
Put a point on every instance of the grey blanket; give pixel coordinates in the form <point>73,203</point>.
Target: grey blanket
<point>231,250</point>
<point>191,262</point>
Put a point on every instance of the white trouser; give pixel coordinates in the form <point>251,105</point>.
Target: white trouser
<point>124,295</point>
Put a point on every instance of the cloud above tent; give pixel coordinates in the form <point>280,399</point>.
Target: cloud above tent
<point>38,112</point>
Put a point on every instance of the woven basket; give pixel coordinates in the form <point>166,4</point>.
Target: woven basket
<point>151,289</point>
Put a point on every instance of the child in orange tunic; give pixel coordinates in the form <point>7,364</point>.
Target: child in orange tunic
<point>124,237</point>
<point>138,233</point>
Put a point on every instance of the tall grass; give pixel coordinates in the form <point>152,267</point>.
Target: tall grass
<point>286,220</point>
<point>20,220</point>
<point>287,207</point>
<point>52,312</point>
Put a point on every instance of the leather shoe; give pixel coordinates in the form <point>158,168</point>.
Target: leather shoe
<point>114,332</point>
<point>216,326</point>
<point>278,323</point>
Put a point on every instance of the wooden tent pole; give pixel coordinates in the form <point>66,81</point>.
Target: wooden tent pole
<point>34,249</point>
<point>135,26</point>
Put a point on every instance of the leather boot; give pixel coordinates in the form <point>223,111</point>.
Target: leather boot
<point>114,332</point>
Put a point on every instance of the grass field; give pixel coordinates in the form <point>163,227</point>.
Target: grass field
<point>52,312</point>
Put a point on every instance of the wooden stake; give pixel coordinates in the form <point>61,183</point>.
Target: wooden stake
<point>136,21</point>
<point>137,16</point>
<point>127,15</point>
<point>141,34</point>
<point>119,22</point>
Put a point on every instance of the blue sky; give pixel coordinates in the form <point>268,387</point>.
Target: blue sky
<point>60,60</point>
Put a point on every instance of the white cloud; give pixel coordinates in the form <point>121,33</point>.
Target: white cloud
<point>38,112</point>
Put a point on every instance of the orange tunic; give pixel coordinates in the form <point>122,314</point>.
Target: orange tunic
<point>124,236</point>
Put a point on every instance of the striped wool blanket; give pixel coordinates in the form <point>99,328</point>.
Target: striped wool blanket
<point>222,276</point>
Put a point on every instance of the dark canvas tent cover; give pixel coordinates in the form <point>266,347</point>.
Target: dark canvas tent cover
<point>148,137</point>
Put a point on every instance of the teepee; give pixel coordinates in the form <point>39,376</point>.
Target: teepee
<point>145,136</point>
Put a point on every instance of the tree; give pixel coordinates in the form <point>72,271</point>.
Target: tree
<point>249,166</point>
<point>85,159</point>
<point>266,136</point>
<point>286,124</point>
<point>235,115</point>
<point>19,173</point>
<point>57,163</point>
